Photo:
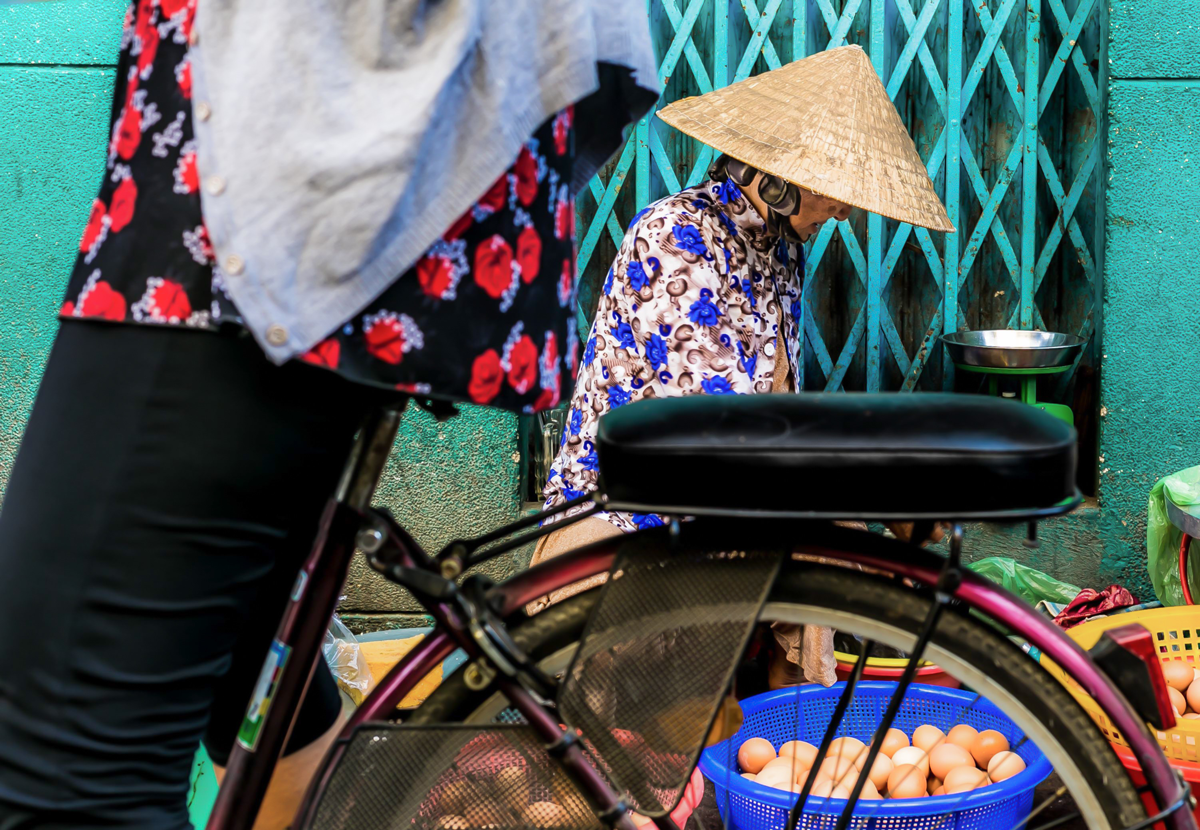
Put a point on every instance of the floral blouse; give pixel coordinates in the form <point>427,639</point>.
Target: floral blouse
<point>696,302</point>
<point>484,316</point>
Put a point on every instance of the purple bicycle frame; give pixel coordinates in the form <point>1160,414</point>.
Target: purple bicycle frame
<point>974,591</point>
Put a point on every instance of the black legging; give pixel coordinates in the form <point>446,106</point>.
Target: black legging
<point>167,488</point>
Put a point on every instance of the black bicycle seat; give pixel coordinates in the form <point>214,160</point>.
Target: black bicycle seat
<point>885,456</point>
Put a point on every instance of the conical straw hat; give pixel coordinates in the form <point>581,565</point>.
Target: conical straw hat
<point>826,124</point>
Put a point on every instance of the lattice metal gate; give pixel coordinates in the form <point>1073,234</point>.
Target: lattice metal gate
<point>1016,161</point>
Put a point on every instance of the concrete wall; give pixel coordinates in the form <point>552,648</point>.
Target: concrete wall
<point>56,75</point>
<point>1150,424</point>
<point>462,477</point>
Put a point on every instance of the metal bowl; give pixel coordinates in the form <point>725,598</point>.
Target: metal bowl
<point>1004,349</point>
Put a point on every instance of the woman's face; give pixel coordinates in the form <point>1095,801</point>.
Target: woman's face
<point>815,211</point>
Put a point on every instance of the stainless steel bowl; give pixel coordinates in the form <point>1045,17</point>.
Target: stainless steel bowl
<point>1004,349</point>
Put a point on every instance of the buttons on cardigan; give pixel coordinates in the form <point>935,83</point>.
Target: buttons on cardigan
<point>234,265</point>
<point>769,348</point>
<point>215,185</point>
<point>203,111</point>
<point>277,335</point>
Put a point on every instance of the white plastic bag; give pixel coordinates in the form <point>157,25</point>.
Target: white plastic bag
<point>344,656</point>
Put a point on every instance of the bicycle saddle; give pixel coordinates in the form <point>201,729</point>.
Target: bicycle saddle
<point>881,456</point>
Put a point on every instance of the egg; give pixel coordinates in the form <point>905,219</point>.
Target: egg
<point>906,781</point>
<point>852,748</point>
<point>880,770</point>
<point>854,754</point>
<point>916,757</point>
<point>870,791</point>
<point>986,744</point>
<point>749,776</point>
<point>455,797</point>
<point>1178,675</point>
<point>1190,716</point>
<point>755,754</point>
<point>939,791</point>
<point>962,735</point>
<point>927,737</point>
<point>1004,765</point>
<point>964,779</point>
<point>546,814</point>
<point>513,785</point>
<point>802,751</point>
<point>827,789</point>
<point>837,768</point>
<point>893,741</point>
<point>640,820</point>
<point>777,778</point>
<point>451,823</point>
<point>1193,695</point>
<point>789,765</point>
<point>946,757</point>
<point>484,812</point>
<point>1178,701</point>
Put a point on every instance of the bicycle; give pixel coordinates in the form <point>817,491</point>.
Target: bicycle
<point>568,695</point>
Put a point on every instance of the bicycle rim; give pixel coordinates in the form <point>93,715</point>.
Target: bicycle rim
<point>876,608</point>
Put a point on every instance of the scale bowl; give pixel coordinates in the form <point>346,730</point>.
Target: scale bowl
<point>1005,349</point>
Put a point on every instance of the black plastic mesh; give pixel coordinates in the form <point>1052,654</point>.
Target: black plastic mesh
<point>657,658</point>
<point>396,777</point>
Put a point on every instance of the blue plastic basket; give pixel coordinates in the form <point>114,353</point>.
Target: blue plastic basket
<point>746,805</point>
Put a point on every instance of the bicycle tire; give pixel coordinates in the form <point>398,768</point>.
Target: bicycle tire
<point>808,592</point>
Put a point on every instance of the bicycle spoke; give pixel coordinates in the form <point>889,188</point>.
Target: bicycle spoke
<point>836,719</point>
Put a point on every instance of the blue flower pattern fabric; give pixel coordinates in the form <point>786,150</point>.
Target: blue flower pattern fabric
<point>698,292</point>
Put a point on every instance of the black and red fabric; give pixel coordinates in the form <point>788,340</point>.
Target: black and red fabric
<point>485,316</point>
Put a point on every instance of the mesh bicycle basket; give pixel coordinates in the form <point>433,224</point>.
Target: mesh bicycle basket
<point>449,777</point>
<point>803,713</point>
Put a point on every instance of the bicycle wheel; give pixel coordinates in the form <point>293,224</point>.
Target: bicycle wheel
<point>878,608</point>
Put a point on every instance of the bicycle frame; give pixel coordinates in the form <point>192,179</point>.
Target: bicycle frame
<point>251,766</point>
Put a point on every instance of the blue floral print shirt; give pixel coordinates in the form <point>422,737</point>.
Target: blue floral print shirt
<point>696,303</point>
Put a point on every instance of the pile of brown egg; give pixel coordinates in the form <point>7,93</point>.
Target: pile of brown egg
<point>933,762</point>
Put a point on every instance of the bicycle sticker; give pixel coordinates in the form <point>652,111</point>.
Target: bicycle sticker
<point>298,588</point>
<point>264,693</point>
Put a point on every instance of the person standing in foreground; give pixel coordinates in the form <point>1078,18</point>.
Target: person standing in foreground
<point>704,295</point>
<point>308,210</point>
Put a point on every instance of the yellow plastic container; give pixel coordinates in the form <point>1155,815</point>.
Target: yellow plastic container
<point>890,668</point>
<point>1176,633</point>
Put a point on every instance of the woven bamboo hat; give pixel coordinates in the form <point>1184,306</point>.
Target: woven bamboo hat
<point>824,123</point>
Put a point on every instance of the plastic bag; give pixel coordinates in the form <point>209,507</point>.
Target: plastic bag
<point>1163,538</point>
<point>1030,584</point>
<point>346,661</point>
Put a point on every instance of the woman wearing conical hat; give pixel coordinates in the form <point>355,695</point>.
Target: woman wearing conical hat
<point>704,294</point>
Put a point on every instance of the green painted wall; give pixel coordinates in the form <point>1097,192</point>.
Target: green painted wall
<point>56,74</point>
<point>447,480</point>
<point>1150,424</point>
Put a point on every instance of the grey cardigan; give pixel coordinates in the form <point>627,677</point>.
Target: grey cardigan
<point>337,139</point>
